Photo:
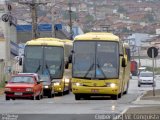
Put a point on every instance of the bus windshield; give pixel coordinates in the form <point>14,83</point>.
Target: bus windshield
<point>95,60</point>
<point>45,60</point>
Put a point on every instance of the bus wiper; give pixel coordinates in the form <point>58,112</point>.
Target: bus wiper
<point>48,70</point>
<point>38,68</point>
<point>101,70</point>
<point>89,70</point>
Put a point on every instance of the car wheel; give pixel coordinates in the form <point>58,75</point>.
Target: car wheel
<point>33,97</point>
<point>154,84</point>
<point>38,97</point>
<point>50,94</point>
<point>13,98</point>
<point>42,94</point>
<point>7,98</point>
<point>139,85</point>
<point>77,97</point>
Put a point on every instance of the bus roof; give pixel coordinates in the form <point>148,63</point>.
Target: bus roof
<point>66,41</point>
<point>97,36</point>
<point>46,41</point>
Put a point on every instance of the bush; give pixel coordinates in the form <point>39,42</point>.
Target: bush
<point>2,83</point>
<point>156,70</point>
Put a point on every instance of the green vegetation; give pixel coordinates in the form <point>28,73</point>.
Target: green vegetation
<point>157,70</point>
<point>2,83</point>
<point>89,18</point>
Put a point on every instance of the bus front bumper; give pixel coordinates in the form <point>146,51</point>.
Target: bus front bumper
<point>58,88</point>
<point>95,90</point>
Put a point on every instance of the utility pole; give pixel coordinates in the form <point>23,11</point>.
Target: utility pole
<point>53,19</point>
<point>33,7</point>
<point>70,18</point>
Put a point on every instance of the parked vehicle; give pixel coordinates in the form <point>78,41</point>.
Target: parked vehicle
<point>145,78</point>
<point>48,86</point>
<point>134,68</point>
<point>24,85</point>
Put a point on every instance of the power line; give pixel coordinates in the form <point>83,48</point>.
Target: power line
<point>33,6</point>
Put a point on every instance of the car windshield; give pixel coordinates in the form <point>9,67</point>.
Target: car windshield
<point>146,75</point>
<point>22,79</point>
<point>97,60</point>
<point>45,78</point>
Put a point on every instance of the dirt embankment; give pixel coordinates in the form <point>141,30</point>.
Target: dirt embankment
<point>149,95</point>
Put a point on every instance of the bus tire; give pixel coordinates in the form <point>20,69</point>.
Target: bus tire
<point>114,97</point>
<point>77,97</point>
<point>68,91</point>
<point>125,92</point>
<point>119,95</point>
<point>60,93</point>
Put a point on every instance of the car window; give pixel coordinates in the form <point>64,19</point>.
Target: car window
<point>22,79</point>
<point>146,74</point>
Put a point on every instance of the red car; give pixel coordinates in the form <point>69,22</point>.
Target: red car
<point>24,85</point>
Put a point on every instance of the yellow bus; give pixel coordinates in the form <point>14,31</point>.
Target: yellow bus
<point>46,56</point>
<point>99,66</point>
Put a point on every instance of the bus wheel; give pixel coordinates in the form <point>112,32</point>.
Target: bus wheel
<point>119,95</point>
<point>125,92</point>
<point>77,97</point>
<point>60,93</point>
<point>114,97</point>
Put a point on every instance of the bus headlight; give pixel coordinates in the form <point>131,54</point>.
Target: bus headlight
<point>57,83</point>
<point>112,85</point>
<point>78,84</point>
<point>67,80</point>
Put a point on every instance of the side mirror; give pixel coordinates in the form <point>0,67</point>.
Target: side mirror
<point>70,59</point>
<point>20,61</point>
<point>41,80</point>
<point>124,64</point>
<point>38,82</point>
<point>53,81</point>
